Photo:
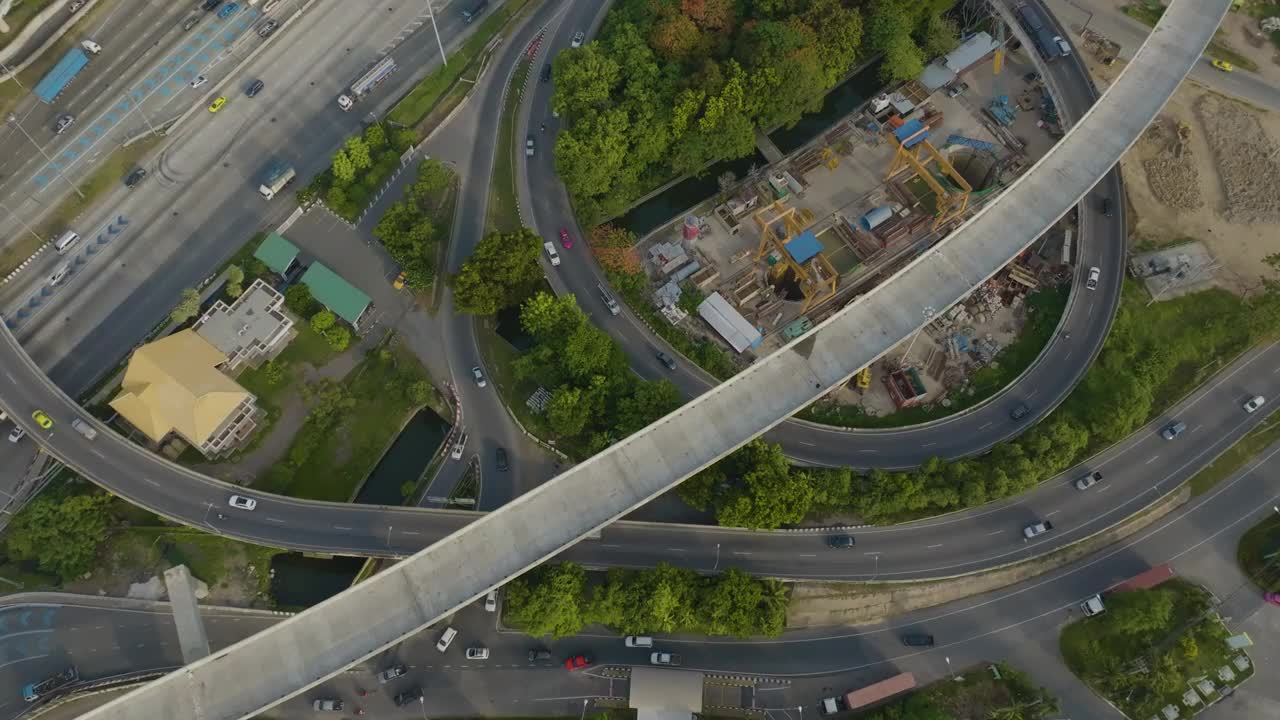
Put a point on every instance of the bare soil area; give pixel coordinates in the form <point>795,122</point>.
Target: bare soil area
<point>1206,170</point>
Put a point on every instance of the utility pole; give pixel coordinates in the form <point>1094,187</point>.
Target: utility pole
<point>432,14</point>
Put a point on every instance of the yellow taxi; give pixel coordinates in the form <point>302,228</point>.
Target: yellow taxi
<point>1223,65</point>
<point>217,104</point>
<point>399,283</point>
<point>41,419</point>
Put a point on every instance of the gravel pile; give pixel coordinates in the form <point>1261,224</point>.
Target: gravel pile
<point>1241,149</point>
<point>1174,183</point>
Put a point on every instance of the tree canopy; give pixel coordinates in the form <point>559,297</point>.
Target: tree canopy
<point>669,87</point>
<point>503,270</point>
<point>60,531</point>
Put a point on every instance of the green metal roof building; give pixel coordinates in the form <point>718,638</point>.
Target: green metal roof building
<point>277,254</point>
<point>344,299</point>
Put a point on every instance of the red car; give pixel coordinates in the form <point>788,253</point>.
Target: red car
<point>565,240</point>
<point>578,662</point>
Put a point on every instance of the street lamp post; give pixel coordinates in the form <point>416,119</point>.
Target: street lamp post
<point>422,703</point>
<point>432,14</point>
<point>13,120</point>
<point>949,670</point>
<point>584,708</point>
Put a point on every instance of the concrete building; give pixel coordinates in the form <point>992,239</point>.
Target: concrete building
<point>253,327</point>
<point>173,387</point>
<point>729,323</point>
<point>341,297</point>
<point>278,254</point>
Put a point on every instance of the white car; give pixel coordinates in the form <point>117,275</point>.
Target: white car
<point>477,653</point>
<point>1254,403</point>
<point>639,641</point>
<point>1089,480</point>
<point>478,375</point>
<point>17,434</point>
<point>1063,47</point>
<point>491,601</point>
<point>1092,282</point>
<point>200,80</point>
<point>578,39</point>
<point>446,639</point>
<point>241,502</point>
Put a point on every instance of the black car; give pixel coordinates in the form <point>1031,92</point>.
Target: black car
<point>190,22</point>
<point>546,73</point>
<point>255,88</point>
<point>392,673</point>
<point>135,177</point>
<point>1106,207</point>
<point>210,4</point>
<point>1020,411</point>
<point>411,695</point>
<point>840,541</point>
<point>666,359</point>
<point>917,640</point>
<point>268,28</point>
<point>502,459</point>
<point>539,655</point>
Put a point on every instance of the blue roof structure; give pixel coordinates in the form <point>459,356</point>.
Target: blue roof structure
<point>911,127</point>
<point>804,246</point>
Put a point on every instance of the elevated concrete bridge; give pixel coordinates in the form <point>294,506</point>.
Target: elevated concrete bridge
<point>268,668</point>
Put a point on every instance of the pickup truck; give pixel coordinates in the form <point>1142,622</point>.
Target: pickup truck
<point>1037,528</point>
<point>666,658</point>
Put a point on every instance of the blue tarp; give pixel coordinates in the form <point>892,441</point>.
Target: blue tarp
<point>911,127</point>
<point>804,246</point>
<point>52,84</point>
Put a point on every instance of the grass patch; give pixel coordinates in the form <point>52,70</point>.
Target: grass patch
<point>109,174</point>
<point>335,451</point>
<point>212,558</point>
<point>427,93</point>
<point>1141,657</point>
<point>1045,310</point>
<point>18,18</point>
<point>468,488</point>
<point>1236,456</point>
<point>499,357</point>
<point>1259,553</point>
<point>504,212</point>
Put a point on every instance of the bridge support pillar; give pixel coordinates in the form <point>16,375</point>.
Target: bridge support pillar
<point>186,616</point>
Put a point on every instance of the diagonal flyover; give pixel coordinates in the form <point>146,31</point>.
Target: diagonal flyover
<point>277,664</point>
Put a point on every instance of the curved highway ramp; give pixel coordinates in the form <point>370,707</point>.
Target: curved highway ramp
<point>277,664</point>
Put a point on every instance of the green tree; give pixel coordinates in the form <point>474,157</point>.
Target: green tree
<point>187,307</point>
<point>548,600</point>
<point>344,168</point>
<point>568,411</point>
<point>501,271</point>
<point>550,318</point>
<point>420,392</point>
<point>298,298</point>
<point>338,337</point>
<point>322,321</point>
<point>375,137</point>
<point>646,402</point>
<point>235,281</point>
<point>407,488</point>
<point>939,36</point>
<point>433,177</point>
<point>358,151</point>
<point>274,371</point>
<point>60,533</point>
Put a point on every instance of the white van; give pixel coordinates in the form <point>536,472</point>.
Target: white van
<point>446,639</point>
<point>1093,606</point>
<point>639,641</point>
<point>91,46</point>
<point>552,254</point>
<point>84,428</point>
<point>66,240</point>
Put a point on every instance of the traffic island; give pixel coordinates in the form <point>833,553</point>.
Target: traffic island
<point>1161,652</point>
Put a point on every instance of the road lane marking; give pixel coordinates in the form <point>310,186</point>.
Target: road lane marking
<point>1055,512</point>
<point>675,550</point>
<point>1197,427</point>
<point>994,532</point>
<point>805,443</point>
<point>1153,459</point>
<point>153,482</point>
<point>808,555</point>
<point>739,552</point>
<point>934,546</point>
<point>611,546</point>
<point>929,444</point>
<point>340,527</point>
<point>275,520</point>
<point>409,532</point>
<point>868,452</point>
<point>985,425</point>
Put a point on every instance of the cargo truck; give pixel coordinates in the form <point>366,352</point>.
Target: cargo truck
<point>277,179</point>
<point>869,695</point>
<point>32,692</point>
<point>57,79</point>
<point>367,83</point>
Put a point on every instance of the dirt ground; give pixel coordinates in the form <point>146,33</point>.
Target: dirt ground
<point>1220,188</point>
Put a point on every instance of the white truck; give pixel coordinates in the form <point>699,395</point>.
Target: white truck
<point>1093,606</point>
<point>366,83</point>
<point>277,179</point>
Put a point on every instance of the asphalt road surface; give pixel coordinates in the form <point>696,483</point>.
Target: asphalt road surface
<point>1018,624</point>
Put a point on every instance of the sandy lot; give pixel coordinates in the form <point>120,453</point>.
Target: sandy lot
<point>1207,170</point>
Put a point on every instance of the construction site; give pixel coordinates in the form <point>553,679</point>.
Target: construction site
<point>777,252</point>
